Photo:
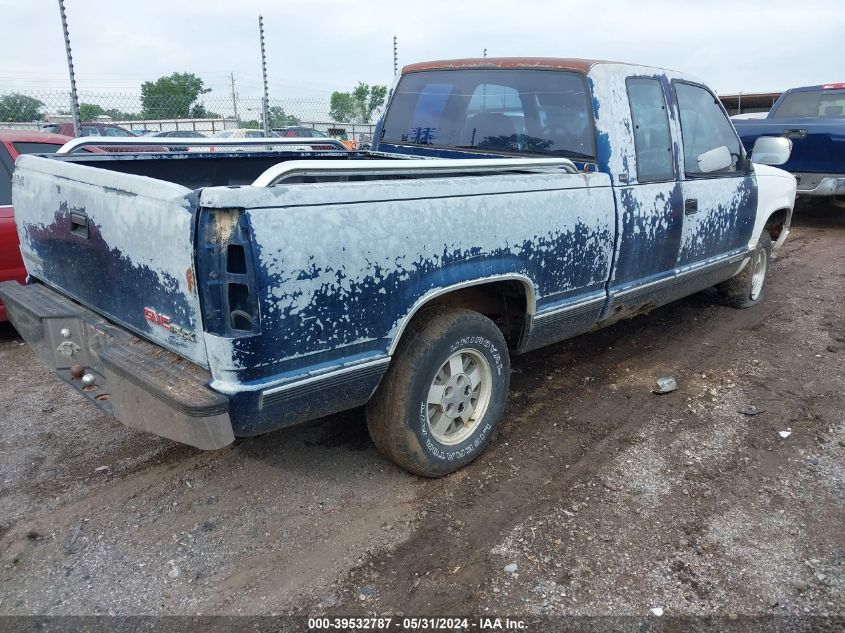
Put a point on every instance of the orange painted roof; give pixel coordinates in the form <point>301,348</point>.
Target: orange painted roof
<point>557,63</point>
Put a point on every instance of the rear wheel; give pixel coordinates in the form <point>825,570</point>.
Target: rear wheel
<point>746,288</point>
<point>440,402</point>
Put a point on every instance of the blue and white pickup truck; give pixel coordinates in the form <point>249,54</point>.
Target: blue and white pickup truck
<point>507,204</point>
<point>813,117</point>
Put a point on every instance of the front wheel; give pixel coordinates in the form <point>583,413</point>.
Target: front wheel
<point>440,403</point>
<point>746,288</point>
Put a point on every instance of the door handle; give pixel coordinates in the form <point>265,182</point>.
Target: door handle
<point>796,133</point>
<point>79,225</point>
<point>690,206</point>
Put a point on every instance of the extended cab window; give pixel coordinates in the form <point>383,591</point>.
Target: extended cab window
<point>531,112</point>
<point>704,127</point>
<point>652,139</point>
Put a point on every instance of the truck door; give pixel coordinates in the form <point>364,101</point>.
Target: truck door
<point>649,206</point>
<point>720,192</point>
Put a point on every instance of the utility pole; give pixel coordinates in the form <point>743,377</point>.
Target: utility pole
<point>74,100</point>
<point>395,57</point>
<point>265,105</point>
<point>234,99</point>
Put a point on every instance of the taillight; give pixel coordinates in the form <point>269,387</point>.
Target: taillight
<point>227,283</point>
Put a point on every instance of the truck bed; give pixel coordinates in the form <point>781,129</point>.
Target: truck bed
<point>195,170</point>
<point>122,234</point>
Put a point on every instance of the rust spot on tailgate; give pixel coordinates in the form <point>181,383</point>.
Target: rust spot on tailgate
<point>224,223</point>
<point>189,279</point>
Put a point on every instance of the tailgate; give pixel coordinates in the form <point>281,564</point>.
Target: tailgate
<point>121,245</point>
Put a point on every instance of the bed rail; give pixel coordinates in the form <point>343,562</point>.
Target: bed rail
<point>380,167</point>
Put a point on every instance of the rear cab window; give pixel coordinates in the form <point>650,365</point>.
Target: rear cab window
<point>811,103</point>
<point>519,111</point>
<point>705,127</point>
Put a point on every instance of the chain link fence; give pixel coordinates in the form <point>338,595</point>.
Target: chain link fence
<point>208,115</point>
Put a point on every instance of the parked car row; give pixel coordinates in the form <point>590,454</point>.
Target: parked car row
<point>97,128</point>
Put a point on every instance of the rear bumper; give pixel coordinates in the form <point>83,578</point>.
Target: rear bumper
<point>142,385</point>
<point>812,184</point>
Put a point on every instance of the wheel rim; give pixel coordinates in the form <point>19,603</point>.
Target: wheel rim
<point>759,275</point>
<point>458,396</point>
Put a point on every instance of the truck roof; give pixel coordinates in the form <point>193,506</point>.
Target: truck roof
<point>541,63</point>
<point>831,86</point>
<point>557,63</point>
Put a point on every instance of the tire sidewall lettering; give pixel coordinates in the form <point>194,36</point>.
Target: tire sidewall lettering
<point>475,443</point>
<point>484,344</point>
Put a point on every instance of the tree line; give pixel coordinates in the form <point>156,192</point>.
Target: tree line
<point>177,96</point>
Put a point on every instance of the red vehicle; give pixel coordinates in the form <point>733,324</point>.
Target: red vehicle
<point>12,144</point>
<point>88,129</point>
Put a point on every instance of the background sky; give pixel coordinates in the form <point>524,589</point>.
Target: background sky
<point>317,46</point>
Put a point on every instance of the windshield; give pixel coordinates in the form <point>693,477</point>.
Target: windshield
<point>824,103</point>
<point>510,111</point>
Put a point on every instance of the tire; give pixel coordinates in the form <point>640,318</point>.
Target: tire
<point>440,402</point>
<point>746,289</point>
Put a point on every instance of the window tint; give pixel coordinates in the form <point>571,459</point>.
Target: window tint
<point>513,111</point>
<point>114,131</point>
<point>6,166</point>
<point>652,139</point>
<point>704,126</point>
<point>36,148</point>
<point>827,103</point>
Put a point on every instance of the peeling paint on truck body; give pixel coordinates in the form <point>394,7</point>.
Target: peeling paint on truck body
<point>133,252</point>
<point>293,296</point>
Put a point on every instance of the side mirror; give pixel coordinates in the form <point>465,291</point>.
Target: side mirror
<point>771,150</point>
<point>715,160</point>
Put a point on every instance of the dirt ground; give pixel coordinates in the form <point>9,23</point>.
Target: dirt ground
<point>599,497</point>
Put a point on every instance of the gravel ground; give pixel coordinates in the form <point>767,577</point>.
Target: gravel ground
<point>597,498</point>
